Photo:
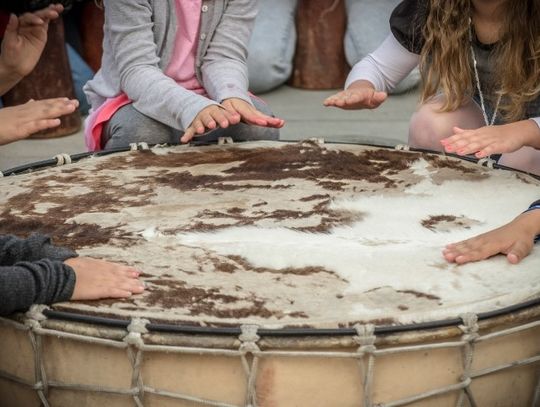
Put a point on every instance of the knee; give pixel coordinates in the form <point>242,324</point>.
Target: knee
<point>267,70</point>
<point>129,126</point>
<point>426,131</point>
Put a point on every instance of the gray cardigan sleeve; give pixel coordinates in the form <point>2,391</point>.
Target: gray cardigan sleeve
<point>153,93</point>
<point>224,68</point>
<point>32,272</point>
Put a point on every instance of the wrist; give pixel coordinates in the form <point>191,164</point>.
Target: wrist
<point>8,75</point>
<point>361,84</point>
<point>530,220</point>
<point>529,131</point>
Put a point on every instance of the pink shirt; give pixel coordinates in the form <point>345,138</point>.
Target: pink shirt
<point>182,65</point>
<point>181,69</point>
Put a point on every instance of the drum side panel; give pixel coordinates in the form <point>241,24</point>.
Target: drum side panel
<point>16,353</point>
<point>66,398</point>
<point>17,395</point>
<point>314,382</point>
<point>507,349</point>
<point>511,388</point>
<point>209,377</point>
<point>68,361</point>
<point>408,374</point>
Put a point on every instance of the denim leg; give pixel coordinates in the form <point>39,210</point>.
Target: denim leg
<point>81,73</point>
<point>367,27</point>
<point>272,45</point>
<point>128,125</point>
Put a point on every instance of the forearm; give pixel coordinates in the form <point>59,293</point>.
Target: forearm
<point>41,282</point>
<point>385,67</point>
<point>530,220</point>
<point>8,78</point>
<point>224,67</point>
<point>528,130</point>
<point>36,247</point>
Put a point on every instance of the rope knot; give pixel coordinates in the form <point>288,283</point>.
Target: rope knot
<point>135,329</point>
<point>249,338</point>
<point>365,337</point>
<point>35,315</point>
<point>62,159</point>
<point>469,327</point>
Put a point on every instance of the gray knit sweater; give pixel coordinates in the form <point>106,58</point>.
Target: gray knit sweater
<point>32,272</point>
<point>138,45</point>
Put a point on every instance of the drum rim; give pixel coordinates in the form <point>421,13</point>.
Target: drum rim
<point>68,316</point>
<point>56,161</point>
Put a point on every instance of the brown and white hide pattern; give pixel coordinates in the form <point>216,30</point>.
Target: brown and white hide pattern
<point>281,234</point>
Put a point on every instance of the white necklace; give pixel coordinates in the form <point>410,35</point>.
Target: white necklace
<point>477,78</point>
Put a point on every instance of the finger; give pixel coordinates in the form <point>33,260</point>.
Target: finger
<point>117,293</point>
<point>378,98</point>
<point>188,135</point>
<point>50,13</point>
<point>39,125</point>
<point>29,19</point>
<point>208,121</point>
<point>12,26</point>
<point>223,117</point>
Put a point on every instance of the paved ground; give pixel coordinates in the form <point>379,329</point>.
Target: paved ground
<point>303,111</point>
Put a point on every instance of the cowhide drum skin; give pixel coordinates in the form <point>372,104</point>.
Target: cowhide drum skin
<point>282,234</point>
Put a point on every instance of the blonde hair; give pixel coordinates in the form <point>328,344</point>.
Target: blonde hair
<point>446,61</point>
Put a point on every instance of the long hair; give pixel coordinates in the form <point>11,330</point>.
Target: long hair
<point>446,60</point>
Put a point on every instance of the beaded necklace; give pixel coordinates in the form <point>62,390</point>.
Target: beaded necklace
<point>478,87</point>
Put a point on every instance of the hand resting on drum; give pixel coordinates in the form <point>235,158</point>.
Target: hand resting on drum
<point>489,140</point>
<point>96,279</point>
<point>23,43</point>
<point>515,240</point>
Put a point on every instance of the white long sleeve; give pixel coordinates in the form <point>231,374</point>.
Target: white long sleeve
<point>385,67</point>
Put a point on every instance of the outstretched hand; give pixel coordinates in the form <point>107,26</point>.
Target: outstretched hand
<point>250,115</point>
<point>357,96</point>
<point>96,279</point>
<point>18,122</point>
<point>24,40</point>
<point>489,140</point>
<point>230,112</point>
<point>209,118</point>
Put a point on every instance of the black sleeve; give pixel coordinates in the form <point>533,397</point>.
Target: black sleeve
<point>36,247</point>
<point>407,24</point>
<point>40,282</point>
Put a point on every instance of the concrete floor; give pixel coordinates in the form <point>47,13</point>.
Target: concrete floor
<point>303,111</point>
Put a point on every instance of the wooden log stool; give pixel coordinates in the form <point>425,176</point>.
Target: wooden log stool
<point>51,78</point>
<point>91,29</point>
<point>319,62</point>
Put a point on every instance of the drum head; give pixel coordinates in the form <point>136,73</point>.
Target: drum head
<point>280,234</point>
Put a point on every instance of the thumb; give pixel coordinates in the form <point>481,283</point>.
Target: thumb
<point>457,130</point>
<point>12,26</point>
<point>517,252</point>
<point>378,97</point>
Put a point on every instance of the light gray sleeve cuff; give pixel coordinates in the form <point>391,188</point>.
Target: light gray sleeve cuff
<point>536,120</point>
<point>385,67</point>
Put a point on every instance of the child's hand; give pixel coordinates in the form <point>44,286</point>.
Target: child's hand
<point>209,118</point>
<point>515,240</point>
<point>21,121</point>
<point>97,279</point>
<point>250,115</point>
<point>489,140</point>
<point>25,38</point>
<point>360,95</point>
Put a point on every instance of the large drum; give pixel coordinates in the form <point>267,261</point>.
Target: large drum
<point>278,274</point>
